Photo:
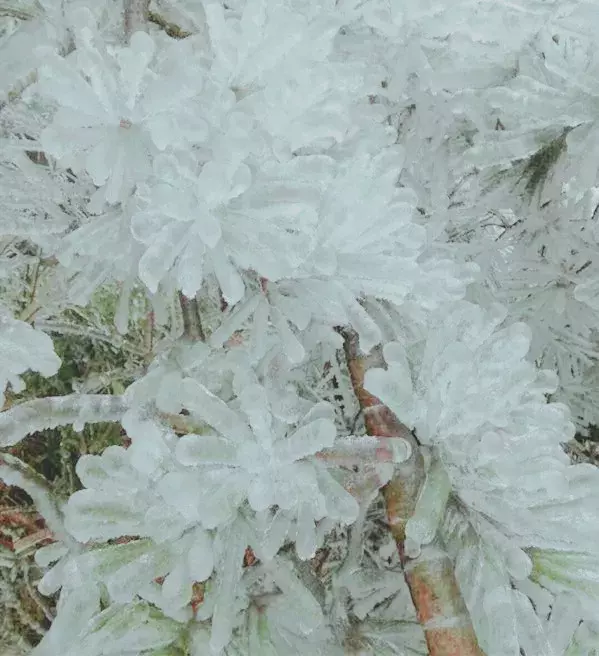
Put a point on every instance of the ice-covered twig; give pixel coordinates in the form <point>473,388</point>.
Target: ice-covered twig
<point>439,605</point>
<point>77,409</point>
<point>19,12</point>
<point>359,450</point>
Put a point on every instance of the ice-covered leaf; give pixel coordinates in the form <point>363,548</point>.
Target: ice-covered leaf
<point>122,629</point>
<point>422,526</point>
<point>306,441</point>
<point>309,613</point>
<point>229,571</point>
<point>206,450</point>
<point>22,348</point>
<point>102,515</point>
<point>77,607</point>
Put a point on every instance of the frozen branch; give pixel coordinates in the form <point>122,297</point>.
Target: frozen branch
<point>431,578</point>
<point>40,414</point>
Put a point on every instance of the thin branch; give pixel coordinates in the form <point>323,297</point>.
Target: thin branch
<point>21,13</point>
<point>88,333</point>
<point>52,411</point>
<point>439,605</point>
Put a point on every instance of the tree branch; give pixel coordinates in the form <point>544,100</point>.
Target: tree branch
<point>51,411</point>
<point>440,608</point>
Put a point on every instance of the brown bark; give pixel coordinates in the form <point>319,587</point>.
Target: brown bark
<point>439,604</point>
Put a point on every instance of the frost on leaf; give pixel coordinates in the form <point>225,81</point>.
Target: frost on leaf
<point>261,459</point>
<point>78,604</point>
<point>569,572</point>
<point>122,629</point>
<point>115,106</point>
<point>22,348</point>
<point>474,396</point>
<point>497,610</point>
<point>230,547</point>
<point>120,500</point>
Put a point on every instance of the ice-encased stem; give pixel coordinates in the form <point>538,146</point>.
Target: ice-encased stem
<point>439,604</point>
<point>52,411</point>
<point>422,527</point>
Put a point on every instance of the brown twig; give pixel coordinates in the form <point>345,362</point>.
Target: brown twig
<point>171,29</point>
<point>439,605</point>
<point>192,321</point>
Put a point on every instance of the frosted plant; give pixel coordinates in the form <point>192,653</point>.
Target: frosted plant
<point>116,110</point>
<point>176,550</point>
<point>557,71</point>
<point>203,210</point>
<point>297,198</point>
<point>447,411</point>
<point>499,443</point>
<point>256,457</point>
<point>328,288</point>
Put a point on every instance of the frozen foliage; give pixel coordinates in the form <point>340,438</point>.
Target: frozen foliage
<point>113,107</point>
<point>263,174</point>
<point>23,348</point>
<point>500,442</point>
<point>482,422</point>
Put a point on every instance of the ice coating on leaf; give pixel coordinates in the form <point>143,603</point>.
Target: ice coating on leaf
<point>486,588</point>
<point>229,571</point>
<point>568,572</point>
<point>126,568</point>
<point>212,496</point>
<point>178,217</point>
<point>422,526</point>
<point>109,472</point>
<point>215,412</point>
<point>57,575</point>
<point>92,514</point>
<point>340,505</point>
<point>207,449</point>
<point>150,451</point>
<point>306,441</point>
<point>200,558</point>
<point>127,629</point>
<point>111,101</point>
<point>309,613</point>
<point>22,348</point>
<point>272,529</point>
<point>261,459</point>
<point>77,606</point>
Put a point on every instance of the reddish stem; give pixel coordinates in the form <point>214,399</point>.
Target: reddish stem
<point>433,587</point>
